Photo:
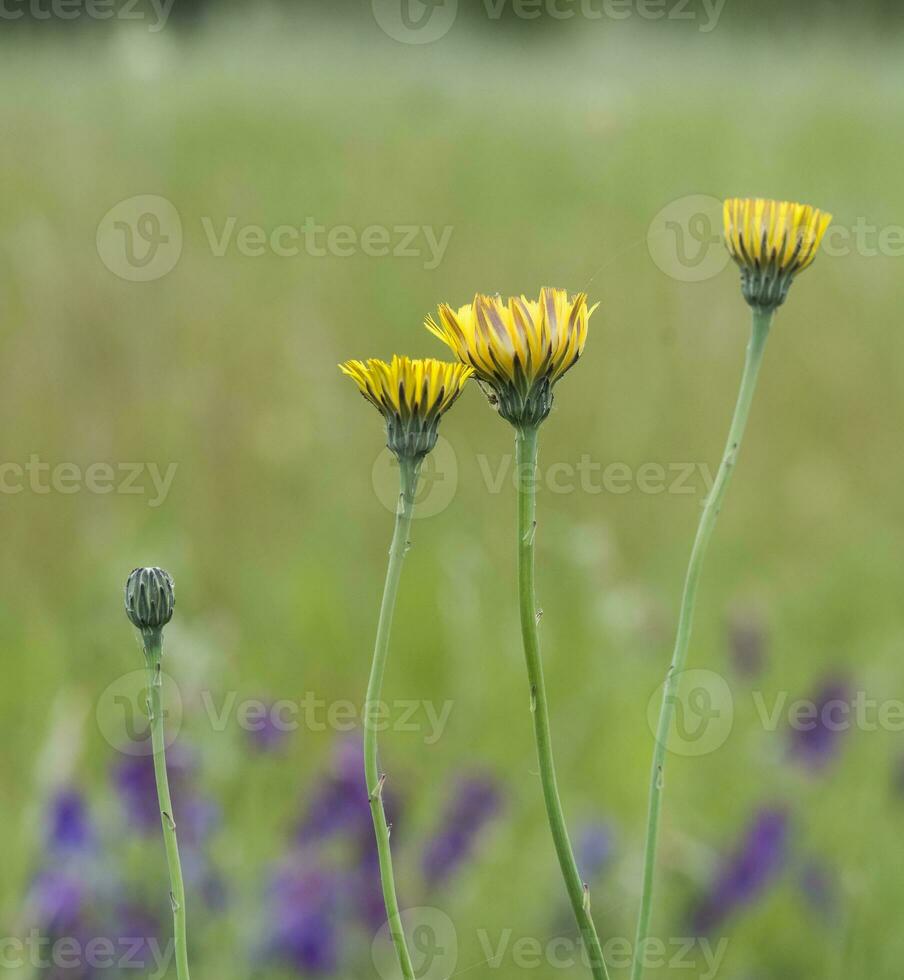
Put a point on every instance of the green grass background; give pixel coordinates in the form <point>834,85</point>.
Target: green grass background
<point>549,156</point>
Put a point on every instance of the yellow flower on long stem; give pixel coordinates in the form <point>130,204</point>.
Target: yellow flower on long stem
<point>519,348</point>
<point>772,241</point>
<point>411,394</point>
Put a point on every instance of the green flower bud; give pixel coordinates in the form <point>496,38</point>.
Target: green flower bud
<point>150,598</point>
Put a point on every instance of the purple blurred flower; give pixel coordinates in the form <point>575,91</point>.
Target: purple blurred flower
<point>367,889</point>
<point>748,871</point>
<point>139,934</point>
<point>819,888</point>
<point>475,802</point>
<point>68,826</point>
<point>594,849</point>
<point>268,734</point>
<point>196,816</point>
<point>302,902</point>
<point>815,737</point>
<point>57,899</point>
<point>747,643</point>
<point>339,804</point>
<point>133,778</point>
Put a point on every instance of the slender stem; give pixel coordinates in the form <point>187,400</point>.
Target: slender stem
<point>153,647</point>
<point>409,477</point>
<point>578,893</point>
<point>761,323</point>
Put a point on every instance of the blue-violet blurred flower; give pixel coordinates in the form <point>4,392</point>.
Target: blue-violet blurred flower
<point>475,802</point>
<point>746,873</point>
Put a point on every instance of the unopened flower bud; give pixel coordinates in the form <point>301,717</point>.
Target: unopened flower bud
<point>150,598</point>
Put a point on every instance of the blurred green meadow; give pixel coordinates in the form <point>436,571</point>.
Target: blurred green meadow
<point>532,160</point>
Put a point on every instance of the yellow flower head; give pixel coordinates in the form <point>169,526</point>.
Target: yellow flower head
<point>772,241</point>
<point>518,348</point>
<point>412,395</point>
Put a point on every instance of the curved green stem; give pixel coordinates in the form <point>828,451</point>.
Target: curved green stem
<point>409,476</point>
<point>578,893</point>
<point>761,323</point>
<point>153,648</point>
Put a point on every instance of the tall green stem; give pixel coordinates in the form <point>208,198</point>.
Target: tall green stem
<point>578,894</point>
<point>409,478</point>
<point>759,333</point>
<point>153,648</point>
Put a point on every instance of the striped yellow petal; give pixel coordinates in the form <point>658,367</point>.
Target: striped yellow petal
<point>406,386</point>
<point>411,394</point>
<point>772,241</point>
<point>518,347</point>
